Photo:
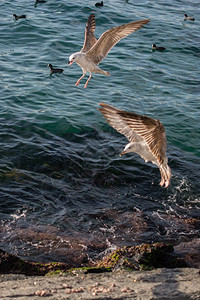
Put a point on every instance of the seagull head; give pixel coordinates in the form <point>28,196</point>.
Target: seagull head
<point>73,58</point>
<point>128,148</point>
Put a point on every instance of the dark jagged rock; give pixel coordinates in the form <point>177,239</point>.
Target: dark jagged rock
<point>10,263</point>
<point>144,257</point>
<point>190,251</point>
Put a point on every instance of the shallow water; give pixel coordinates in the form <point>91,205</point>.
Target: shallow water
<point>65,192</point>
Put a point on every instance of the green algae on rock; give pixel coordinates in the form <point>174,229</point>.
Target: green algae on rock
<point>143,257</point>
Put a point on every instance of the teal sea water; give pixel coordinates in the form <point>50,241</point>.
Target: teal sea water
<point>65,194</point>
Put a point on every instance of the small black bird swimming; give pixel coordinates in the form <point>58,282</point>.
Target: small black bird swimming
<point>19,17</point>
<point>99,4</point>
<point>54,70</point>
<point>40,1</point>
<point>188,18</point>
<point>154,47</point>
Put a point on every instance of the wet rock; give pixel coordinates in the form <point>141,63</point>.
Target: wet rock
<point>9,263</point>
<point>144,257</point>
<point>190,251</point>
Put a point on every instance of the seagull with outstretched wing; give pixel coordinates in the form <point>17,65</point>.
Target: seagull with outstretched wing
<point>146,135</point>
<point>94,51</point>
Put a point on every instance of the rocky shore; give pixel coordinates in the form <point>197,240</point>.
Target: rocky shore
<point>162,284</point>
<point>147,271</point>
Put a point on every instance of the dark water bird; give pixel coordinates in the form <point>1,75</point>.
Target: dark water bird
<point>94,51</point>
<point>53,70</point>
<point>19,17</point>
<point>154,47</point>
<point>188,18</point>
<point>146,135</point>
<point>40,1</point>
<point>99,4</point>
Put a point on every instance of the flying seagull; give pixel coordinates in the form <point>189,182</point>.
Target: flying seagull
<point>94,51</point>
<point>146,135</point>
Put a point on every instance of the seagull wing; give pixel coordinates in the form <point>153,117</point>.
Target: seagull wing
<point>138,128</point>
<point>110,38</point>
<point>117,122</point>
<point>90,39</point>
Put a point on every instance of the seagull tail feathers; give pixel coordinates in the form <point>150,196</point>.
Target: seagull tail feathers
<point>104,72</point>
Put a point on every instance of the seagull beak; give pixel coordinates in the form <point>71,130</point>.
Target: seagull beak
<point>70,63</point>
<point>122,153</point>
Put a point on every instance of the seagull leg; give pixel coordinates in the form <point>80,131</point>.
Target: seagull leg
<point>165,176</point>
<point>162,182</point>
<point>88,80</point>
<point>78,81</point>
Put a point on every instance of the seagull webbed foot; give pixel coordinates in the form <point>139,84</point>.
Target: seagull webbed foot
<point>78,81</point>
